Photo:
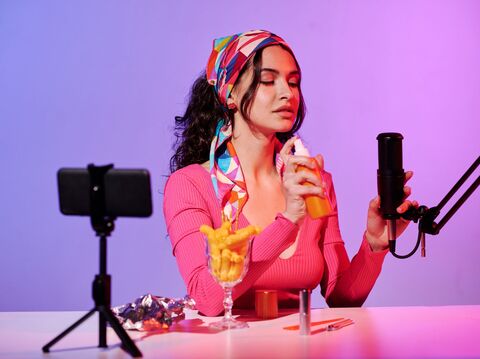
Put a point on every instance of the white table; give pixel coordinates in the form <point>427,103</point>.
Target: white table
<point>390,332</point>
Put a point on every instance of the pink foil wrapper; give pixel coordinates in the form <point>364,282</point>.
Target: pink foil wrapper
<point>150,312</point>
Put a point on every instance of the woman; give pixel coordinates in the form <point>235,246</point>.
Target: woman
<point>234,160</point>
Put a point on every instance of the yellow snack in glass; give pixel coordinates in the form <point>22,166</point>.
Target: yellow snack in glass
<point>227,249</point>
<point>228,253</point>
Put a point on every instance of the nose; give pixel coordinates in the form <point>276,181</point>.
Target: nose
<point>285,91</point>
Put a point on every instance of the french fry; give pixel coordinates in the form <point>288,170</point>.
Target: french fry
<point>235,271</point>
<point>247,231</point>
<point>216,262</point>
<point>226,263</point>
<point>208,231</point>
<point>223,232</point>
<point>236,258</point>
<point>240,248</point>
<point>227,225</point>
<point>227,254</point>
<point>238,244</point>
<point>234,238</point>
<point>214,249</point>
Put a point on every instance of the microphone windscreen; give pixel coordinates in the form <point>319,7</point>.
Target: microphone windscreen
<point>390,152</point>
<point>390,174</point>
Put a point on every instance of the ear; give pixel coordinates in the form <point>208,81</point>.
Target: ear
<point>231,105</point>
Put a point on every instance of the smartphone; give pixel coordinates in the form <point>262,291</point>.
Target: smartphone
<point>127,192</point>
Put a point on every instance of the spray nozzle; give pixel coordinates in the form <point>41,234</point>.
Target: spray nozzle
<point>300,148</point>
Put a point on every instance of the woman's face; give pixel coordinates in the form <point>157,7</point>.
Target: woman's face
<point>275,104</point>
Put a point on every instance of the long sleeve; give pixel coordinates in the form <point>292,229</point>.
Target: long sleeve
<point>345,283</point>
<point>188,205</point>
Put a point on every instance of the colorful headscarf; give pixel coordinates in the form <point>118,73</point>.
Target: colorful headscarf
<point>228,57</point>
<point>231,53</point>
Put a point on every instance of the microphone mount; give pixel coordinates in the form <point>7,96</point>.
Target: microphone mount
<point>426,216</point>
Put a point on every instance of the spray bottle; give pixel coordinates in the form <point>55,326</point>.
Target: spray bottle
<point>316,206</point>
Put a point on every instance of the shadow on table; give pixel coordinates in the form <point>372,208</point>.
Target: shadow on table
<point>90,347</point>
<point>197,325</point>
<point>184,326</point>
<point>247,315</point>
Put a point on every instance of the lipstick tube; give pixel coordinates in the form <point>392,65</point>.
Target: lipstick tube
<point>304,312</point>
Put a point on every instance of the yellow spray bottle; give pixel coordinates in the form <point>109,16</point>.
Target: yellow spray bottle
<point>316,206</point>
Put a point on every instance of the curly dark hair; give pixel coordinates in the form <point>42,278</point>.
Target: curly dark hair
<point>194,130</point>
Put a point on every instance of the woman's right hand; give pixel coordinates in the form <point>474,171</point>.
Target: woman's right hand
<point>293,188</point>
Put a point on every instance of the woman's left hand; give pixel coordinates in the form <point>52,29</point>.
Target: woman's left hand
<point>376,233</point>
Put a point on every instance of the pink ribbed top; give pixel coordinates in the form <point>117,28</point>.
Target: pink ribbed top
<point>320,256</point>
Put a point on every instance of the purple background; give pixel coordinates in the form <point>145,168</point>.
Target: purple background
<point>101,82</point>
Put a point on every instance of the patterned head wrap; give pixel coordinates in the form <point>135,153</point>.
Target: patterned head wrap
<point>228,57</point>
<point>231,53</point>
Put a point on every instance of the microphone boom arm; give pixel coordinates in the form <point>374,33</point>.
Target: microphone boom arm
<point>427,216</point>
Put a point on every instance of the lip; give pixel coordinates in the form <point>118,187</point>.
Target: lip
<point>284,108</point>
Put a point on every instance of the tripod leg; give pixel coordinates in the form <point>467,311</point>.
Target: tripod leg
<point>127,342</point>
<point>47,347</point>
<point>102,331</point>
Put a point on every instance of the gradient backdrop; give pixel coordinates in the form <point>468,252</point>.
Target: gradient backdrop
<point>90,81</point>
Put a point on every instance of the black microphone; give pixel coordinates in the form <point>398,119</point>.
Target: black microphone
<point>390,181</point>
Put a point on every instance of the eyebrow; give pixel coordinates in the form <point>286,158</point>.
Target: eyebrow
<point>295,72</point>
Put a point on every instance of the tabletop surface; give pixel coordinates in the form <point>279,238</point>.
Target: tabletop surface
<point>384,332</point>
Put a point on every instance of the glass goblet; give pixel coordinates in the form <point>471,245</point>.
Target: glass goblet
<point>228,264</point>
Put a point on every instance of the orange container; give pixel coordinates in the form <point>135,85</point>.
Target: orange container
<point>266,304</point>
<point>316,206</point>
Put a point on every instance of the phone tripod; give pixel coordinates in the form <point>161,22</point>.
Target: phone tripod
<point>101,286</point>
